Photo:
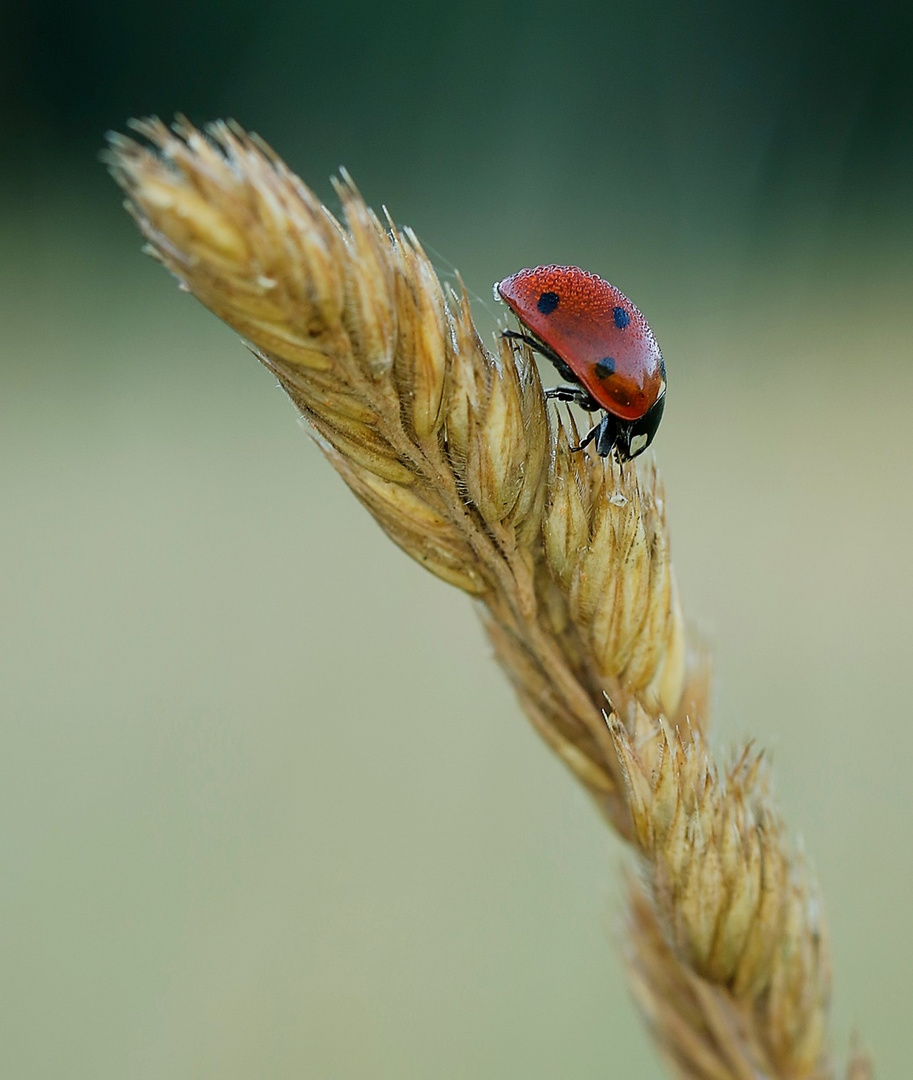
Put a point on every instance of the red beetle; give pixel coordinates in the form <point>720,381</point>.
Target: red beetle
<point>599,341</point>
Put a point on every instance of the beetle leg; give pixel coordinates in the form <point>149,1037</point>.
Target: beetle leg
<point>512,335</point>
<point>577,394</point>
<point>588,438</point>
<point>540,347</point>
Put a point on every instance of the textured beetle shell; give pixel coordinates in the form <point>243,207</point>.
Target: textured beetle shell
<point>581,330</point>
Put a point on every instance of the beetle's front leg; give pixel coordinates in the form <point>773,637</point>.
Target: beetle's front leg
<point>577,394</point>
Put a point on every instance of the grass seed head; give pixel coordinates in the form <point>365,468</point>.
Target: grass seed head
<point>452,449</point>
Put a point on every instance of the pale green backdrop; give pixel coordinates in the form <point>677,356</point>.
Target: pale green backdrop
<point>267,808</point>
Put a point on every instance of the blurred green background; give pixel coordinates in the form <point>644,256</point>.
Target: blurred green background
<point>268,808</point>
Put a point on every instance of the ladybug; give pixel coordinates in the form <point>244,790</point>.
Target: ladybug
<point>601,343</point>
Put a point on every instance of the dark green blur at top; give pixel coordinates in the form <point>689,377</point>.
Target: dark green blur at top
<point>660,131</point>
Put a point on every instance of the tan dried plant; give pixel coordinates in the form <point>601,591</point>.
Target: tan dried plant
<point>452,449</point>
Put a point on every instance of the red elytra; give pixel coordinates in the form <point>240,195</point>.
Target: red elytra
<point>598,339</point>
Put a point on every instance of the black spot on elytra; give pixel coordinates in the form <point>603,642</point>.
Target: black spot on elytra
<point>605,367</point>
<point>548,301</point>
<point>621,317</point>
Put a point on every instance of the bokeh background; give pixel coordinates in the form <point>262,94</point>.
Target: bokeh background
<point>268,808</point>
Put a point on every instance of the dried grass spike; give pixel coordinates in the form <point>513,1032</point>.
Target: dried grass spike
<point>451,448</point>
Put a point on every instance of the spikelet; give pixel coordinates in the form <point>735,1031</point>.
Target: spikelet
<point>736,906</point>
<point>451,448</point>
<point>860,1065</point>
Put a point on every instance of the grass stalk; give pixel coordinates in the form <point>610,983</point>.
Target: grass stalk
<point>451,447</point>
